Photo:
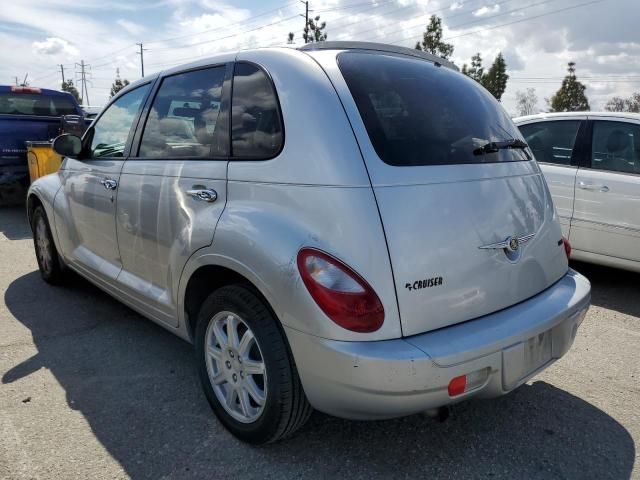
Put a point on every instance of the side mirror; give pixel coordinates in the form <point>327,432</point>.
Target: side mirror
<point>67,145</point>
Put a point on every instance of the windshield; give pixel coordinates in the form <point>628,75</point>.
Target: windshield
<point>35,104</point>
<point>418,113</point>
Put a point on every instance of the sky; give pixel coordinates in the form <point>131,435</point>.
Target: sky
<point>536,37</point>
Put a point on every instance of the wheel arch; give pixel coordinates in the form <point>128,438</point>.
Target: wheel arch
<point>206,275</point>
<point>33,202</point>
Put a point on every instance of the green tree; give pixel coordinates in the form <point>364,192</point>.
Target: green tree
<point>118,84</point>
<point>619,104</point>
<point>432,39</point>
<point>314,31</point>
<point>495,80</point>
<point>475,71</point>
<point>68,86</point>
<point>527,102</point>
<point>570,97</point>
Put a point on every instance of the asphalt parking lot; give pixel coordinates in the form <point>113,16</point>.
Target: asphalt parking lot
<point>90,389</point>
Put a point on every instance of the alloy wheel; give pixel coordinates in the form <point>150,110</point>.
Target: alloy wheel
<point>43,246</point>
<point>236,367</point>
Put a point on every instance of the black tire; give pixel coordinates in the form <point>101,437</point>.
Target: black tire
<point>49,262</point>
<point>286,408</point>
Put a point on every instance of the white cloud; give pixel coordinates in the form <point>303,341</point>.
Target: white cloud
<point>485,10</point>
<point>54,46</point>
<point>602,40</point>
<point>132,28</point>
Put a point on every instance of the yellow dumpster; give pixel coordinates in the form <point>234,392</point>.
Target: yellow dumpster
<point>42,159</point>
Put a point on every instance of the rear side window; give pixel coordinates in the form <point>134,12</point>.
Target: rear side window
<point>35,104</point>
<point>183,120</point>
<point>616,147</point>
<point>417,113</point>
<point>256,126</point>
<point>552,142</point>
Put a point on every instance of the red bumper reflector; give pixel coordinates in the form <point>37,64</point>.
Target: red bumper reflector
<point>457,385</point>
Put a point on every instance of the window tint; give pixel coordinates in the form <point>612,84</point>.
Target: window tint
<point>551,142</point>
<point>35,104</point>
<point>417,113</point>
<point>112,129</point>
<point>183,118</point>
<point>256,130</point>
<point>616,147</point>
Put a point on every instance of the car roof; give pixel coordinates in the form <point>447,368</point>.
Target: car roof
<point>43,91</point>
<point>552,115</point>
<point>378,47</point>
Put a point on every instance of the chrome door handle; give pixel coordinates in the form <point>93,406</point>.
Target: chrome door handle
<point>109,184</point>
<point>204,194</point>
<point>595,188</point>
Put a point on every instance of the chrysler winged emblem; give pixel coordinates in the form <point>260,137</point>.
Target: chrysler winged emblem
<point>510,244</point>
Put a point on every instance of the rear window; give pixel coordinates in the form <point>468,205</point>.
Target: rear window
<point>35,104</point>
<point>417,113</point>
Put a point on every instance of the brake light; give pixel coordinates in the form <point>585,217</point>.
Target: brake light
<point>343,295</point>
<point>25,90</point>
<point>567,247</point>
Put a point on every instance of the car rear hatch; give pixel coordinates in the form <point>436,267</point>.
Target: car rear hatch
<point>446,203</point>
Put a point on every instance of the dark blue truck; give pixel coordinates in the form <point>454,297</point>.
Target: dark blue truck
<point>27,114</point>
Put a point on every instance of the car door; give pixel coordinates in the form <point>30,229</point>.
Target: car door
<point>87,227</point>
<point>606,218</point>
<point>553,144</point>
<point>173,186</point>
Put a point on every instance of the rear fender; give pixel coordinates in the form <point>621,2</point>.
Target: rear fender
<point>259,238</point>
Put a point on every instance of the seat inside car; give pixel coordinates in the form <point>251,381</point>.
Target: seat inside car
<point>619,154</point>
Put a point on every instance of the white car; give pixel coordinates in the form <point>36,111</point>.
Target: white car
<point>592,165</point>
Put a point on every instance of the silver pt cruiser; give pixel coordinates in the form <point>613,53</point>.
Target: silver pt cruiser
<point>352,227</point>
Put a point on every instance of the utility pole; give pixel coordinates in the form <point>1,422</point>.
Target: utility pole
<point>62,72</point>
<point>141,53</point>
<point>306,19</point>
<point>17,84</point>
<point>84,90</point>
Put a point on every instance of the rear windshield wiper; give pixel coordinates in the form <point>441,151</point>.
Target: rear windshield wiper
<point>493,147</point>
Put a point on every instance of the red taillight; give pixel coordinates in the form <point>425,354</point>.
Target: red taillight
<point>25,90</point>
<point>567,247</point>
<point>343,295</point>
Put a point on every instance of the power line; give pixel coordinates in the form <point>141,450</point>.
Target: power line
<point>584,4</point>
<point>225,37</point>
<point>253,17</point>
<point>421,21</point>
<point>354,5</point>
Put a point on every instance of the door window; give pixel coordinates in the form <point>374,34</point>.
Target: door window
<point>256,126</point>
<point>111,130</point>
<point>551,142</point>
<point>616,147</point>
<point>183,121</point>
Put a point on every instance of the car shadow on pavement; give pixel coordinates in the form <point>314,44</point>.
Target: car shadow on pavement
<point>612,288</point>
<point>136,386</point>
<point>14,225</point>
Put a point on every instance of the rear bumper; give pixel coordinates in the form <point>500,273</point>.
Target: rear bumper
<point>392,378</point>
